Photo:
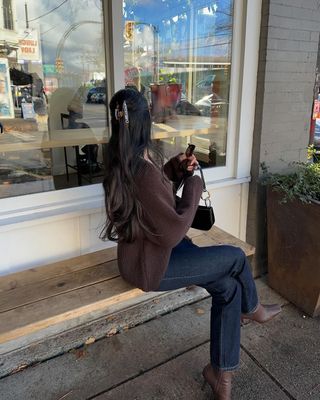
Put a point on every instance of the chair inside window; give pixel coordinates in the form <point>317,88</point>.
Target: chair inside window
<point>86,164</point>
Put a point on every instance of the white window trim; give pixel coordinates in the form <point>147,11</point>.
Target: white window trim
<point>242,108</point>
<point>77,200</point>
<point>246,110</point>
<point>244,69</point>
<point>71,202</point>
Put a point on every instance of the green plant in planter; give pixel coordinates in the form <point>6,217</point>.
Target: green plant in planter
<point>167,77</point>
<point>302,184</point>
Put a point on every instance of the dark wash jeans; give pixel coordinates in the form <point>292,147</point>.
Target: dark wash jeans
<point>225,273</point>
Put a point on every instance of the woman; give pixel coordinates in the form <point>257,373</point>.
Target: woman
<point>153,252</point>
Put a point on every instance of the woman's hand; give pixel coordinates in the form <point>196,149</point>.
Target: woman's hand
<point>189,163</point>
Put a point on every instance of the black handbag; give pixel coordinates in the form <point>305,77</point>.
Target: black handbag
<point>204,217</point>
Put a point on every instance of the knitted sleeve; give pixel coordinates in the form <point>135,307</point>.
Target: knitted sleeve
<point>166,222</point>
<point>176,171</point>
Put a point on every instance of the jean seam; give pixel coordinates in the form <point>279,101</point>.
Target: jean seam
<point>222,355</point>
<point>250,300</point>
<point>245,291</point>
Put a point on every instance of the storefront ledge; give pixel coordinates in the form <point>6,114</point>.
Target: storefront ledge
<point>227,182</point>
<point>75,201</point>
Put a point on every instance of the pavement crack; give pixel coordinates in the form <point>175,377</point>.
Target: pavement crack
<point>266,372</point>
<point>147,370</point>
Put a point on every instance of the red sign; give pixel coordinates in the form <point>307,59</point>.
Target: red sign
<point>316,109</point>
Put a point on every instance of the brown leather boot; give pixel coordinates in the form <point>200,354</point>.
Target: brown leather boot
<point>263,313</point>
<point>220,382</point>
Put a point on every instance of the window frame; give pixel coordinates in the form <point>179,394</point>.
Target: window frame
<point>245,55</point>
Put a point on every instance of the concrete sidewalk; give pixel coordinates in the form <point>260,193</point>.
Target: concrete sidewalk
<point>163,359</point>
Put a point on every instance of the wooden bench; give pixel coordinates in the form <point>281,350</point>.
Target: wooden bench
<point>54,298</point>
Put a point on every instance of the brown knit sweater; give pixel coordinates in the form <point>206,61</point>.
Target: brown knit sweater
<point>143,262</point>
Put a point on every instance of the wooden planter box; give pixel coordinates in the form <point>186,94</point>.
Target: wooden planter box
<point>294,251</point>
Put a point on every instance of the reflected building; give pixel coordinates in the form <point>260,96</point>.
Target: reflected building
<point>9,37</point>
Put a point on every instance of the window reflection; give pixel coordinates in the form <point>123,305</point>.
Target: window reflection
<point>52,95</point>
<point>178,53</point>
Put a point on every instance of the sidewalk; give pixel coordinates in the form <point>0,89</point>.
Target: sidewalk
<point>163,359</point>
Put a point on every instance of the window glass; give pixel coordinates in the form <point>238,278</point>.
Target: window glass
<point>178,53</point>
<point>52,95</point>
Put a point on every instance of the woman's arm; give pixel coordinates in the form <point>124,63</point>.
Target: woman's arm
<point>167,223</point>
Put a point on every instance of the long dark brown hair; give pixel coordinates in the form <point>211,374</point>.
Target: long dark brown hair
<point>129,142</point>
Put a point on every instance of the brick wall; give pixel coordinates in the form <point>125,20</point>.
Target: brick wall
<point>288,56</point>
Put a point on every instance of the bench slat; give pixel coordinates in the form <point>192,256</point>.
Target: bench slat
<point>60,284</point>
<point>77,289</point>
<point>30,318</point>
<point>216,236</point>
<point>38,274</point>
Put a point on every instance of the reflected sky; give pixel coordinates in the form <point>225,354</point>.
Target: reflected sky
<point>203,26</point>
<point>180,24</point>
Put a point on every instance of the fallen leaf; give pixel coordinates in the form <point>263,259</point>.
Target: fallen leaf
<point>111,332</point>
<point>90,340</point>
<point>19,368</point>
<point>200,311</point>
<point>80,353</point>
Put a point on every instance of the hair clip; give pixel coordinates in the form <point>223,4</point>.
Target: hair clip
<point>117,113</point>
<point>126,114</point>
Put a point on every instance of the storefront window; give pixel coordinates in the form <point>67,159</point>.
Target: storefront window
<point>52,95</point>
<point>178,54</point>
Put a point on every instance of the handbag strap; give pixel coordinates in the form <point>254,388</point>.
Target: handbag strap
<point>202,177</point>
<point>206,199</point>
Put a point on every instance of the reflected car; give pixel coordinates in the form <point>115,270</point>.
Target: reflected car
<point>94,91</point>
<point>203,87</point>
<point>212,104</point>
<point>184,107</point>
<point>205,83</point>
<point>98,98</point>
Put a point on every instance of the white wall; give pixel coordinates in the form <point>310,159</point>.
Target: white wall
<point>44,240</point>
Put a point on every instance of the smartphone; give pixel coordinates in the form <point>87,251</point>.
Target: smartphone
<point>190,150</point>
